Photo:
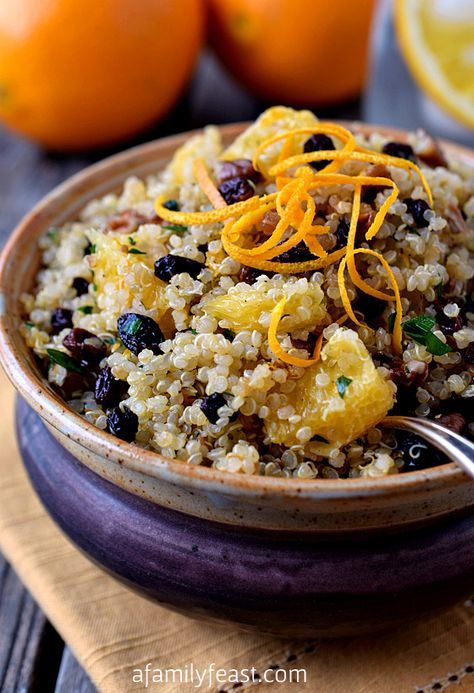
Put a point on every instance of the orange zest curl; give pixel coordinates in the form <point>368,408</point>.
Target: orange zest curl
<point>295,180</point>
<point>275,346</point>
<point>206,184</point>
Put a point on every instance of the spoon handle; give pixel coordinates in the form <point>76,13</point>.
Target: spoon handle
<point>455,446</point>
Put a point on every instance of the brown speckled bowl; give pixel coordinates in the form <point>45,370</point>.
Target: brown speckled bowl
<point>215,502</point>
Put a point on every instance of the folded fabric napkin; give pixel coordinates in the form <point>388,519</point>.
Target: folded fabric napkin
<point>129,644</point>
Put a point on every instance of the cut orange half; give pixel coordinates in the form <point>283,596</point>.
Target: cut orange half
<point>437,41</point>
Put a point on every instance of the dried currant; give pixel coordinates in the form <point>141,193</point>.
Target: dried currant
<point>400,150</point>
<point>169,265</point>
<point>139,332</point>
<point>417,209</point>
<point>211,404</point>
<point>85,346</point>
<point>61,318</point>
<point>123,423</point>
<point>109,390</point>
<point>81,285</point>
<point>236,189</point>
<point>319,143</point>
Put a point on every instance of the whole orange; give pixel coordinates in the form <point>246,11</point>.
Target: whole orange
<point>86,73</point>
<point>293,51</point>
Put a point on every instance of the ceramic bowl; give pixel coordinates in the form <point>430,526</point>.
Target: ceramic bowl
<point>295,549</point>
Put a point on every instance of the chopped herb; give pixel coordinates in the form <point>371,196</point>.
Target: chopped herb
<point>435,346</point>
<point>109,340</point>
<point>420,329</point>
<point>135,251</point>
<point>94,287</point>
<point>132,241</point>
<point>87,310</point>
<point>228,334</point>
<point>439,290</point>
<point>342,383</point>
<point>412,230</point>
<point>192,330</point>
<point>179,228</point>
<point>91,249</point>
<point>391,322</point>
<point>64,360</point>
<point>52,233</point>
<point>131,324</point>
<point>171,205</point>
<point>29,325</point>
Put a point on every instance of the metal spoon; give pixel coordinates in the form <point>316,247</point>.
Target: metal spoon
<point>455,446</point>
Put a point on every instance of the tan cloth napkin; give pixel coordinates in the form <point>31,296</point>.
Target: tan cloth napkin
<point>114,632</point>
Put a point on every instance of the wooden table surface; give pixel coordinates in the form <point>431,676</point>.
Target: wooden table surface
<point>32,655</point>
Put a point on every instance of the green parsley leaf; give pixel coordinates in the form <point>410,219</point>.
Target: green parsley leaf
<point>435,346</point>
<point>52,233</point>
<point>420,329</point>
<point>171,205</point>
<point>29,325</point>
<point>179,228</point>
<point>342,383</point>
<point>132,241</point>
<point>91,249</point>
<point>192,330</point>
<point>64,360</point>
<point>135,251</point>
<point>87,310</point>
<point>94,287</point>
<point>228,334</point>
<point>414,231</point>
<point>391,322</point>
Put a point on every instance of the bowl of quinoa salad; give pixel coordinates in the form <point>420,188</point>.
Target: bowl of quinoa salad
<point>206,331</point>
<point>252,307</point>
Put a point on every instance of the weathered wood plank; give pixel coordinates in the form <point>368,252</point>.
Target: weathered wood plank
<point>30,650</point>
<point>72,678</point>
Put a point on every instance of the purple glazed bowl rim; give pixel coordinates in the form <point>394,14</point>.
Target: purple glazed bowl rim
<point>27,380</point>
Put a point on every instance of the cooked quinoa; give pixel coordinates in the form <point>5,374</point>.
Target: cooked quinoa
<point>148,328</point>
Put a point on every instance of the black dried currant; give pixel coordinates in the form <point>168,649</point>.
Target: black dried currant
<point>249,275</point>
<point>61,318</point>
<point>81,285</point>
<point>109,390</point>
<point>417,209</point>
<point>447,325</point>
<point>139,332</point>
<point>319,143</point>
<point>172,205</point>
<point>211,404</point>
<point>169,265</point>
<point>123,423</point>
<point>85,346</point>
<point>299,253</point>
<point>400,150</point>
<point>236,189</point>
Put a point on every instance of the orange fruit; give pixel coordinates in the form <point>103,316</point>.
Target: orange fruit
<point>86,73</point>
<point>437,40</point>
<point>305,53</point>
